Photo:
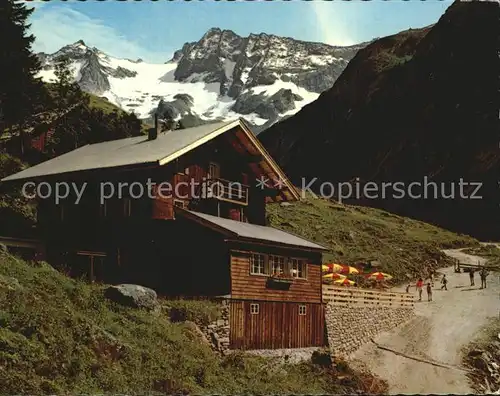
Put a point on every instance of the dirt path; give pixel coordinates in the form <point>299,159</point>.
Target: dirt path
<point>423,355</point>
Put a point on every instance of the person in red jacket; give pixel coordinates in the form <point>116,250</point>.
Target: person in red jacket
<point>420,285</point>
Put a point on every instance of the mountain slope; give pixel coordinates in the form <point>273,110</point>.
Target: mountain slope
<point>403,247</point>
<point>261,77</point>
<point>71,340</point>
<point>419,103</point>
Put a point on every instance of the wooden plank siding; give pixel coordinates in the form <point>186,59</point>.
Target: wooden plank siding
<point>277,325</point>
<point>247,286</point>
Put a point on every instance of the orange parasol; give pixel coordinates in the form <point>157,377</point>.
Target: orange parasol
<point>333,267</point>
<point>344,282</point>
<point>379,276</point>
<point>333,275</point>
<point>347,269</point>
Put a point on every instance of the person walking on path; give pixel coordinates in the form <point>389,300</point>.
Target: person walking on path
<point>471,276</point>
<point>429,277</point>
<point>483,274</point>
<point>420,285</point>
<point>429,292</point>
<point>444,282</point>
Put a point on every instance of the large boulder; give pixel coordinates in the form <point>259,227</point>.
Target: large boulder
<point>134,296</point>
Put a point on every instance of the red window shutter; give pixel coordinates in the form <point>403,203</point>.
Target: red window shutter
<point>234,214</point>
<point>162,204</point>
<point>36,144</point>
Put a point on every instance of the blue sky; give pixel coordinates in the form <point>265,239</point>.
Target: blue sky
<point>154,30</point>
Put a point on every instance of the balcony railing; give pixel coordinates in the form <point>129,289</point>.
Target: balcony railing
<point>225,190</point>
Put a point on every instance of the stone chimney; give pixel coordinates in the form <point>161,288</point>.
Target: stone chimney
<point>153,132</point>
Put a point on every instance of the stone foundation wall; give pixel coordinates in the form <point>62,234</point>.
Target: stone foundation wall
<point>217,332</point>
<point>349,328</point>
<point>292,355</point>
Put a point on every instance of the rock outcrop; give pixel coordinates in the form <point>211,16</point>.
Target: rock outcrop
<point>135,296</point>
<point>484,363</point>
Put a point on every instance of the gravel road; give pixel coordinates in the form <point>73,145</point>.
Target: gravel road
<point>425,353</point>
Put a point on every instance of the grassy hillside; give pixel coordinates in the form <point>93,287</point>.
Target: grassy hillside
<point>102,103</point>
<point>355,233</point>
<point>60,336</point>
<point>97,102</point>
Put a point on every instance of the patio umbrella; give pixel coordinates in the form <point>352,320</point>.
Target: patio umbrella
<point>347,269</point>
<point>333,276</point>
<point>325,268</point>
<point>333,267</point>
<point>379,276</point>
<point>344,282</point>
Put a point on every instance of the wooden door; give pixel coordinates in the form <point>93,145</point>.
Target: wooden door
<point>237,325</point>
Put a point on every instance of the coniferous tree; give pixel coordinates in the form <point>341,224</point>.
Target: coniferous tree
<point>63,75</point>
<point>20,92</point>
<point>68,91</point>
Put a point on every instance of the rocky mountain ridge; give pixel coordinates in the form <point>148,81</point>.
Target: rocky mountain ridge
<point>262,77</point>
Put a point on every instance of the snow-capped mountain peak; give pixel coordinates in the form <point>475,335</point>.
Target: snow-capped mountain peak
<point>222,76</point>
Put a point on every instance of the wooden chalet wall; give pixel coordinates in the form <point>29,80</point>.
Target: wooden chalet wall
<point>247,286</point>
<point>129,241</point>
<point>179,258</point>
<point>278,323</point>
<point>194,167</point>
<point>191,167</point>
<point>174,258</point>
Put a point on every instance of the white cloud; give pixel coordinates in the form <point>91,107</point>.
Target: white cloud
<point>57,26</point>
<point>333,26</point>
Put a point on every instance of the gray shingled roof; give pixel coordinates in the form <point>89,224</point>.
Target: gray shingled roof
<point>122,152</point>
<point>258,232</point>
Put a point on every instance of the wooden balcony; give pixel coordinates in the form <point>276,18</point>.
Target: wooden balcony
<point>225,190</point>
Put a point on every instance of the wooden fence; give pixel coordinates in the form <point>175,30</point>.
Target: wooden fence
<point>350,296</point>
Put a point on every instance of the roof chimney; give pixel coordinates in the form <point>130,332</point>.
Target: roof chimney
<point>153,132</point>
